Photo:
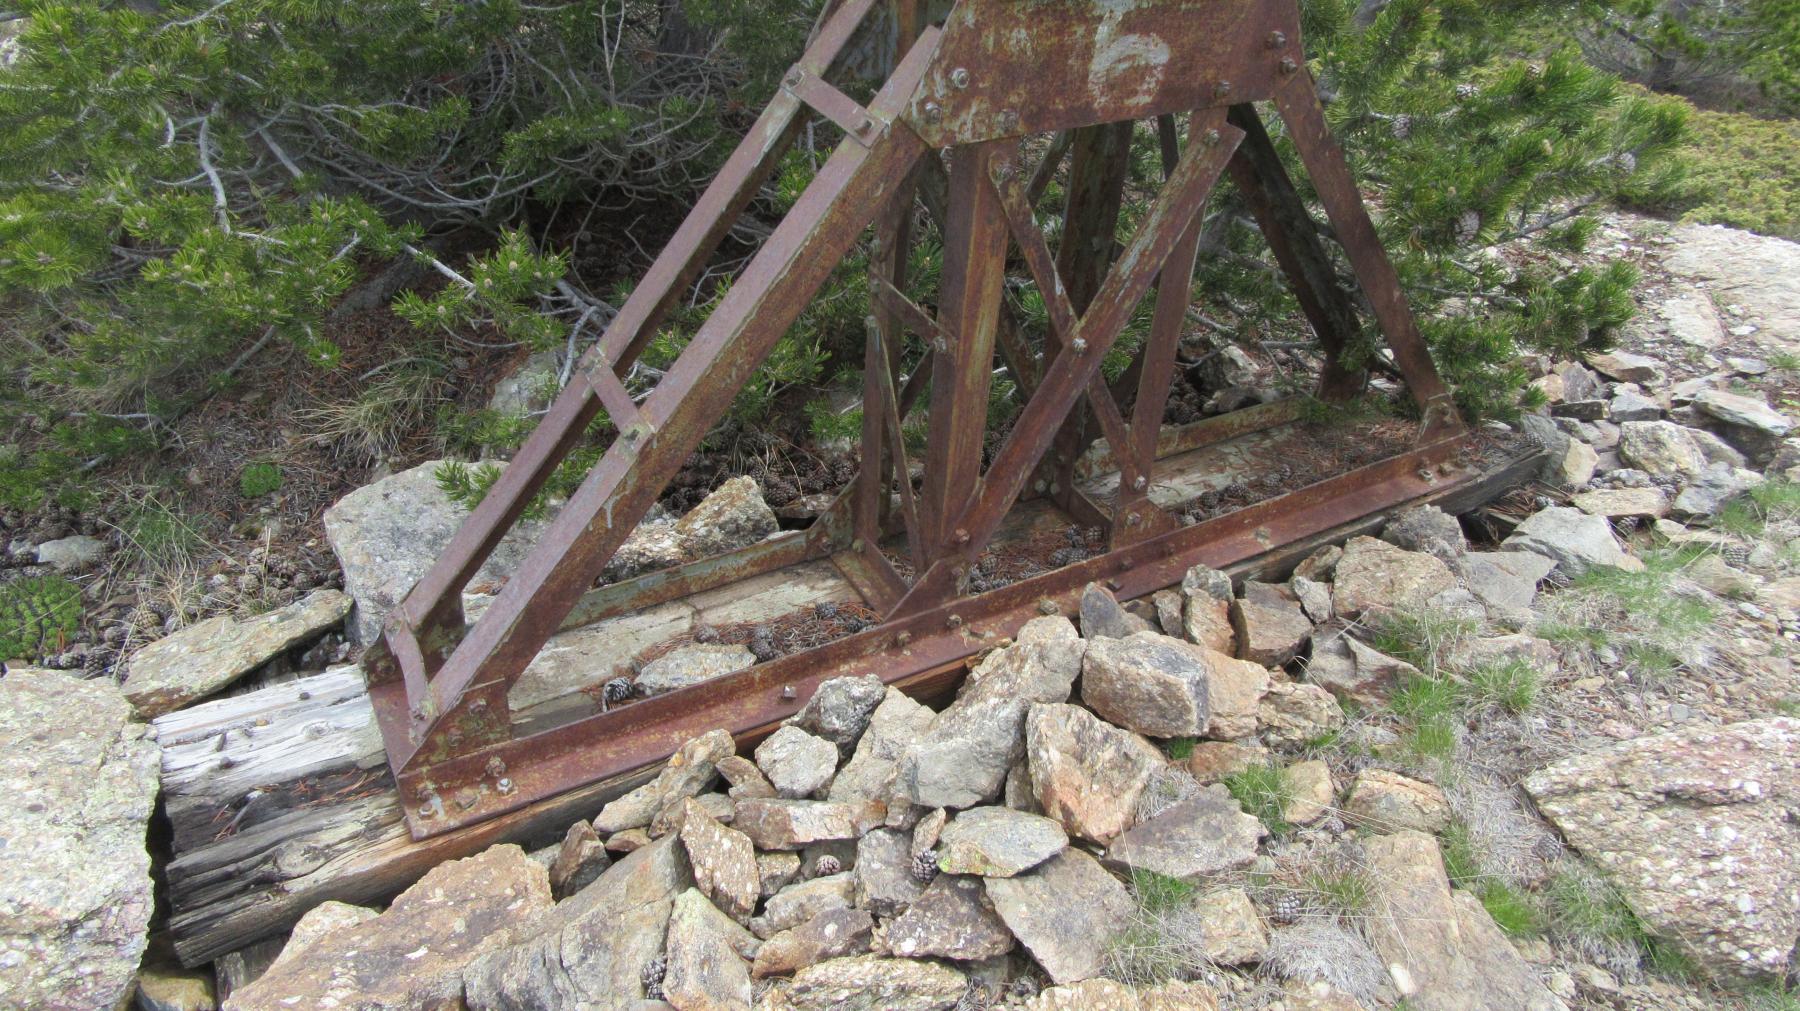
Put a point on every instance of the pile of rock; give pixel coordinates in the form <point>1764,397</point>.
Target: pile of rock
<point>875,853</point>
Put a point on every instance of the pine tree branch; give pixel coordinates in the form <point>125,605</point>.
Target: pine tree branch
<point>220,204</point>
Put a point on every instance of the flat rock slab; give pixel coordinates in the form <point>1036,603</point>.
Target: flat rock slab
<point>998,842</point>
<point>197,661</point>
<point>77,782</point>
<point>1086,773</point>
<point>1759,274</point>
<point>1698,829</point>
<point>414,954</point>
<point>1147,682</point>
<point>1375,574</point>
<point>1065,912</point>
<point>1575,540</point>
<point>1106,995</point>
<point>952,919</point>
<point>1205,835</point>
<point>874,984</point>
<point>1443,951</point>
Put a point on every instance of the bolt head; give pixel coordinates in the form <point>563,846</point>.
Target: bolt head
<point>864,125</point>
<point>1221,89</point>
<point>954,621</point>
<point>1079,345</point>
<point>933,112</point>
<point>1277,40</point>
<point>1288,65</point>
<point>960,77</point>
<point>1047,606</point>
<point>505,786</point>
<point>1139,483</point>
<point>1211,138</point>
<point>496,767</point>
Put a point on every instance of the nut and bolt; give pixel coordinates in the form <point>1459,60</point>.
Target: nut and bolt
<point>933,112</point>
<point>903,639</point>
<point>505,786</point>
<point>1079,345</point>
<point>496,767</point>
<point>1222,89</point>
<point>1046,606</point>
<point>788,692</point>
<point>960,77</point>
<point>1211,138</point>
<point>1139,483</point>
<point>954,621</point>
<point>1288,65</point>
<point>1277,40</point>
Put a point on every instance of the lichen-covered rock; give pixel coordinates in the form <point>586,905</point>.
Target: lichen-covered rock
<point>1087,774</point>
<point>1207,834</point>
<point>952,919</point>
<point>885,883</point>
<point>197,661</point>
<point>796,763</point>
<point>579,860</point>
<point>776,823</point>
<point>893,727</point>
<point>1066,911</point>
<point>591,949</point>
<point>1698,830</point>
<point>1661,449</point>
<point>840,710</point>
<point>1352,671</point>
<point>1374,574</point>
<point>998,842</point>
<point>77,783</point>
<point>1442,949</point>
<point>1428,529</point>
<point>1233,929</point>
<point>1311,793</point>
<point>1614,503</point>
<point>1386,801</point>
<point>703,970</point>
<point>1292,715</point>
<point>733,516</point>
<point>1215,761</point>
<point>416,953</point>
<point>803,900</point>
<point>834,933</point>
<point>874,984</point>
<point>1206,609</point>
<point>724,863</point>
<point>1102,617</point>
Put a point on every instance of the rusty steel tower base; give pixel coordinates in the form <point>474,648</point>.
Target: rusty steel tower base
<point>963,94</point>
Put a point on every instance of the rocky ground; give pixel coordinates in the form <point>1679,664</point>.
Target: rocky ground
<point>1542,758</point>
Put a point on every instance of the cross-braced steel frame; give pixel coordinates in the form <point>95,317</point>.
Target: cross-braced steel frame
<point>962,95</point>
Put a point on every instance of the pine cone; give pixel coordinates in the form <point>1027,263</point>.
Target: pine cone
<point>1286,908</point>
<point>1736,555</point>
<point>654,971</point>
<point>924,866</point>
<point>616,691</point>
<point>826,866</point>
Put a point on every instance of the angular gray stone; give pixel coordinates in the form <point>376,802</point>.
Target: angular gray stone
<point>387,534</point>
<point>833,933</point>
<point>692,664</point>
<point>72,554</point>
<point>1150,683</point>
<point>1087,774</point>
<point>796,763</point>
<point>1428,529</point>
<point>702,968</point>
<point>590,950</point>
<point>776,871</point>
<point>952,919</point>
<point>1630,406</point>
<point>803,900</point>
<point>998,842</point>
<point>1269,624</point>
<point>1627,367</point>
<point>1707,495</point>
<point>1504,581</point>
<point>1216,761</point>
<point>1740,411</point>
<point>528,387</point>
<point>840,710</point>
<point>1066,912</point>
<point>962,760</point>
<point>197,661</point>
<point>724,863</point>
<point>1661,449</point>
<point>1443,951</point>
<point>1311,792</point>
<point>885,883</point>
<point>1107,995</point>
<point>1374,574</point>
<point>1207,834</point>
<point>1103,617</point>
<point>78,780</point>
<point>1759,273</point>
<point>1698,829</point>
<point>419,951</point>
<point>692,768</point>
<point>893,727</point>
<point>1314,598</point>
<point>747,781</point>
<point>875,984</point>
<point>1573,539</point>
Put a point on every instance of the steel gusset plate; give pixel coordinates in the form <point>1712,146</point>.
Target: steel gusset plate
<point>924,654</point>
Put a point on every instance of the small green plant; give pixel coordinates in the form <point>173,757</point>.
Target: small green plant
<point>1165,938</point>
<point>1342,891</point>
<point>161,533</point>
<point>37,615</point>
<point>1179,749</point>
<point>1512,910</point>
<point>259,479</point>
<point>371,424</point>
<point>1159,893</point>
<point>1784,361</point>
<point>1511,685</point>
<point>1461,862</point>
<point>1421,638</point>
<point>1265,792</point>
